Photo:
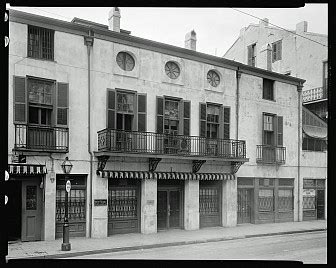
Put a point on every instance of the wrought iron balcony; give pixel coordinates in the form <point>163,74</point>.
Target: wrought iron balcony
<point>314,94</point>
<point>267,154</point>
<point>132,142</point>
<point>40,138</point>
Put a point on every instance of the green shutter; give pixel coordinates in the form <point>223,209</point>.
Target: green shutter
<point>20,100</point>
<point>279,130</point>
<point>62,104</point>
<point>111,108</point>
<point>227,123</point>
<point>202,132</point>
<point>142,118</point>
<point>159,114</point>
<point>186,118</point>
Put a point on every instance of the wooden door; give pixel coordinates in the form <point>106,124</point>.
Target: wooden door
<point>31,210</point>
<point>162,209</point>
<point>169,209</point>
<point>320,204</point>
<point>174,210</point>
<point>244,206</point>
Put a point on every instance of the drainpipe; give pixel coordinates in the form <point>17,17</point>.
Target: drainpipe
<point>299,90</point>
<point>88,40</point>
<point>238,75</point>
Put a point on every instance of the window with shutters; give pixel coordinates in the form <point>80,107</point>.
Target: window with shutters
<point>213,121</point>
<point>40,43</point>
<point>276,51</point>
<point>268,89</point>
<point>251,55</point>
<point>268,129</point>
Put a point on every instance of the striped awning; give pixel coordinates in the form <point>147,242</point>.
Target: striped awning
<point>26,169</point>
<point>165,175</point>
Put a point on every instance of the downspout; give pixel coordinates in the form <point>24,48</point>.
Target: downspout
<point>88,40</point>
<point>299,90</point>
<point>238,75</point>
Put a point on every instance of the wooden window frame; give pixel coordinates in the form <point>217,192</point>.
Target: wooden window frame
<point>277,51</point>
<point>268,93</point>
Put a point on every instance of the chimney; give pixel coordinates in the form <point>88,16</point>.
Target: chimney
<point>265,58</point>
<point>114,19</point>
<point>190,40</point>
<point>263,22</point>
<point>302,27</point>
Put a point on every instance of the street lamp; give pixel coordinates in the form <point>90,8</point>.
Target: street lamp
<point>66,246</point>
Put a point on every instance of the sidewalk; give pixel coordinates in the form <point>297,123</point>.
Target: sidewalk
<point>123,242</point>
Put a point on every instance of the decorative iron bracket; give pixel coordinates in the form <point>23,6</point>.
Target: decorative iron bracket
<point>196,165</point>
<point>101,163</point>
<point>153,162</point>
<point>235,166</point>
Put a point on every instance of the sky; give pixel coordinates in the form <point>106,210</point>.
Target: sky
<point>216,28</point>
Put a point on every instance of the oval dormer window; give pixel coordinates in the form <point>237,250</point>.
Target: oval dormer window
<point>125,61</point>
<point>172,70</point>
<point>213,78</point>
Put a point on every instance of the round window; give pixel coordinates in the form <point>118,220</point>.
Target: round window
<point>172,70</point>
<point>125,61</point>
<point>213,78</point>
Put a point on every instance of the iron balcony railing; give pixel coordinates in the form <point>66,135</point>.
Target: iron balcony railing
<point>314,94</point>
<point>267,154</point>
<point>110,140</point>
<point>41,138</point>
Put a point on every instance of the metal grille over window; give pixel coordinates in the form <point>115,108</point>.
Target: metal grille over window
<point>172,70</point>
<point>285,199</point>
<point>31,197</point>
<point>40,91</point>
<point>122,203</point>
<point>40,43</point>
<point>266,200</point>
<point>213,78</point>
<point>76,205</point>
<point>125,61</point>
<point>208,201</point>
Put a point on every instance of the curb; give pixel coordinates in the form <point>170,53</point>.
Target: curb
<point>180,243</point>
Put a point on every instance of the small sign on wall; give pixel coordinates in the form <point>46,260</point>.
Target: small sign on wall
<point>100,202</point>
<point>308,192</point>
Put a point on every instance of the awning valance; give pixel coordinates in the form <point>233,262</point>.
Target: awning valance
<point>315,132</point>
<point>165,175</point>
<point>26,169</point>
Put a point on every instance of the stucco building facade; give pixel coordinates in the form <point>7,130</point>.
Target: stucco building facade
<point>159,136</point>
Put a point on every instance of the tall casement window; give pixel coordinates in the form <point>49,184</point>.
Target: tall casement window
<point>40,43</point>
<point>40,113</point>
<point>251,55</point>
<point>271,151</point>
<point>325,75</point>
<point>268,89</point>
<point>173,120</point>
<point>276,51</point>
<point>214,127</point>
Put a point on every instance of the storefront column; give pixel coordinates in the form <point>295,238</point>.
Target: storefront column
<point>148,206</point>
<point>99,212</point>
<point>229,203</point>
<point>191,205</point>
<point>49,202</point>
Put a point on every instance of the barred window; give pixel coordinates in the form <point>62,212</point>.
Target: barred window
<point>266,200</point>
<point>40,43</point>
<point>285,199</point>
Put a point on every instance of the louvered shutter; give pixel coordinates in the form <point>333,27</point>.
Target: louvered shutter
<point>274,52</point>
<point>20,100</point>
<point>226,123</point>
<point>202,132</point>
<point>186,118</point>
<point>279,50</point>
<point>159,115</point>
<point>142,113</point>
<point>111,108</point>
<point>62,104</point>
<point>249,55</point>
<point>279,130</point>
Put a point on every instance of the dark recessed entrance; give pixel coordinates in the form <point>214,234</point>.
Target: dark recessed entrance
<point>13,208</point>
<point>169,205</point>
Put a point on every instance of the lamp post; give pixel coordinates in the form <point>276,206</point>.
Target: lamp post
<point>66,246</point>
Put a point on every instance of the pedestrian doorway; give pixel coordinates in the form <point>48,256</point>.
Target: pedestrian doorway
<point>24,209</point>
<point>169,206</point>
<point>244,209</point>
<point>320,204</point>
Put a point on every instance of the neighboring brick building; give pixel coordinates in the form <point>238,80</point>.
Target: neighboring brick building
<point>297,53</point>
<point>157,134</point>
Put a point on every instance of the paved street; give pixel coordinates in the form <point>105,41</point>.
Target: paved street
<point>306,247</point>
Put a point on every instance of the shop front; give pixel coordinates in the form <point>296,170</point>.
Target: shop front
<point>313,199</point>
